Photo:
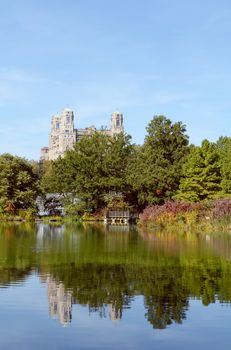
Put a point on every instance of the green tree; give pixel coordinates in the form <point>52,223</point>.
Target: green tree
<point>94,168</point>
<point>156,168</point>
<point>202,175</point>
<point>224,151</point>
<point>18,184</point>
<point>56,177</point>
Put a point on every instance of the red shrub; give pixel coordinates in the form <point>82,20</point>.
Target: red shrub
<point>174,208</point>
<point>221,208</point>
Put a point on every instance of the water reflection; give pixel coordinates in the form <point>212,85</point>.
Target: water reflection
<point>106,269</point>
<point>60,301</point>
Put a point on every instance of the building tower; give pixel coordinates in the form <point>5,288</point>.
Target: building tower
<point>117,123</point>
<point>44,154</point>
<point>62,135</point>
<point>54,137</point>
<point>67,137</point>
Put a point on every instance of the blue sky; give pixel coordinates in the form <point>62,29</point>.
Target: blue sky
<point>143,57</point>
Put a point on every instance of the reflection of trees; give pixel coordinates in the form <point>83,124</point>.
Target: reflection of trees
<point>97,286</point>
<point>166,289</point>
<point>166,297</point>
<point>12,275</point>
<point>16,255</point>
<point>106,271</point>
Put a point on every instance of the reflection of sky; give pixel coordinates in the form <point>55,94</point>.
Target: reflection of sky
<point>25,325</point>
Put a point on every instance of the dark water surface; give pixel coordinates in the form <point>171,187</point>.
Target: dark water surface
<point>74,287</point>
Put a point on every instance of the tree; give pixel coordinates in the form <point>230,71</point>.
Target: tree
<point>202,175</point>
<point>56,177</point>
<point>224,151</point>
<point>18,184</point>
<point>93,169</point>
<point>156,169</point>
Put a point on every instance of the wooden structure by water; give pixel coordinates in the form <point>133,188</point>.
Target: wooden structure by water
<point>118,217</point>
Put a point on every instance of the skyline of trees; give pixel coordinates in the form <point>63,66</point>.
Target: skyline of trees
<point>102,170</point>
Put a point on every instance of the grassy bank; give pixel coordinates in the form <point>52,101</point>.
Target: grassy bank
<point>30,215</point>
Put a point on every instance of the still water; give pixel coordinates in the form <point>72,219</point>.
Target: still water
<point>75,287</point>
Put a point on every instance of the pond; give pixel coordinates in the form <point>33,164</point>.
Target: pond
<point>110,287</point>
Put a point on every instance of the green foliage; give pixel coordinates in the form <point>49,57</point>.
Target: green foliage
<point>95,167</point>
<point>164,167</point>
<point>56,177</point>
<point>224,151</point>
<point>202,175</point>
<point>27,214</point>
<point>75,209</point>
<point>116,201</point>
<point>18,184</point>
<point>156,168</point>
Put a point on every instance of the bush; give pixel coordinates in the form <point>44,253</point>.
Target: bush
<point>171,212</point>
<point>221,209</point>
<point>75,209</point>
<point>27,214</point>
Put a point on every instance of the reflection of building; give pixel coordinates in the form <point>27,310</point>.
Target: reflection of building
<point>47,234</point>
<point>117,228</point>
<point>114,313</point>
<point>60,301</point>
<point>63,135</point>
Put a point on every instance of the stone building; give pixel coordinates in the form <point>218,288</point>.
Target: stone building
<point>63,134</point>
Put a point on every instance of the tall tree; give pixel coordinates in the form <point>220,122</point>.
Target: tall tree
<point>99,165</point>
<point>157,168</point>
<point>224,151</point>
<point>56,177</point>
<point>18,184</point>
<point>202,174</point>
